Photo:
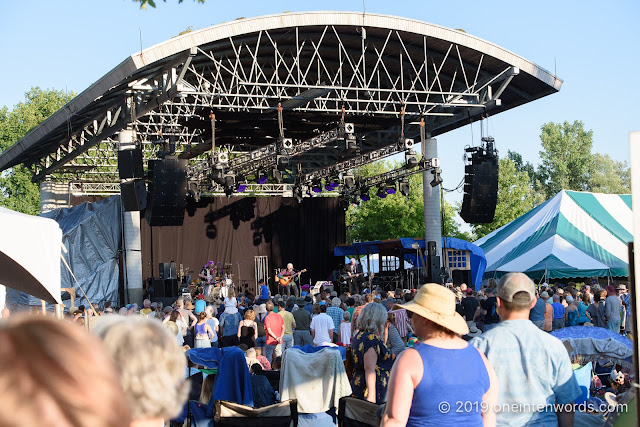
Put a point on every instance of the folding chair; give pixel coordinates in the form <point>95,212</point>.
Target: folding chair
<point>354,412</point>
<point>229,414</point>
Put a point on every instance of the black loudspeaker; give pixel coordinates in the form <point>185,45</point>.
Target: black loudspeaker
<point>171,287</point>
<point>167,270</point>
<point>480,189</point>
<point>158,288</point>
<point>134,195</point>
<point>434,269</point>
<point>130,163</point>
<point>167,191</point>
<point>431,248</point>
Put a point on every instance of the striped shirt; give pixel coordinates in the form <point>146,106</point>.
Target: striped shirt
<point>402,321</point>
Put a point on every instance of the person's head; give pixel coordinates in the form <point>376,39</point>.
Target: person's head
<point>597,297</point>
<point>369,298</point>
<point>544,295</point>
<point>207,389</point>
<point>208,310</point>
<point>611,290</point>
<point>289,266</point>
<point>59,376</point>
<point>153,378</point>
<point>179,303</point>
<point>175,315</point>
<point>372,318</point>
<point>586,298</point>
<point>569,299</point>
<point>352,261</point>
<point>433,313</point>
<point>232,293</point>
<point>335,302</point>
<point>516,294</point>
<point>351,302</point>
<point>249,315</point>
<point>203,315</point>
<point>269,307</point>
<point>277,363</point>
<point>346,316</point>
<point>463,287</point>
<point>256,369</point>
<point>250,353</point>
<point>323,308</point>
<point>556,298</point>
<point>291,303</point>
<point>281,305</point>
<point>146,303</point>
<point>315,309</point>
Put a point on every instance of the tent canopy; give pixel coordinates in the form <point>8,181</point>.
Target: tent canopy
<point>573,234</point>
<point>30,254</point>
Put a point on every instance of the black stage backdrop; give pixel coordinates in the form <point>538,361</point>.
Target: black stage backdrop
<point>236,229</point>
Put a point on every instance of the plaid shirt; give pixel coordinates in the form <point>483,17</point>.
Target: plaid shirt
<point>336,314</point>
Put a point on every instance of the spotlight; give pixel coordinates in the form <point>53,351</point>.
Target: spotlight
<point>285,145</point>
<point>405,143</point>
<point>437,179</point>
<point>390,187</point>
<point>223,158</point>
<point>262,178</point>
<point>316,185</point>
<point>349,181</point>
<point>350,143</point>
<point>381,192</point>
<point>364,194</point>
<point>403,186</point>
<point>277,175</point>
<point>410,159</point>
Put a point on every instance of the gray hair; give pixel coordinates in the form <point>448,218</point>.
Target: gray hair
<point>372,318</point>
<point>153,378</point>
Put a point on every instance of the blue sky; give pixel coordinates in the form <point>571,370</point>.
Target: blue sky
<point>591,45</point>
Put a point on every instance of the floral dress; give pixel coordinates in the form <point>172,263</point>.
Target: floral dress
<point>361,343</point>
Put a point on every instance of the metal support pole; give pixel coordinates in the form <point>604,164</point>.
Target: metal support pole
<point>432,219</point>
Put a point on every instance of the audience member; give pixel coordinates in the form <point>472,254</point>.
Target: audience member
<point>322,327</point>
<point>274,328</point>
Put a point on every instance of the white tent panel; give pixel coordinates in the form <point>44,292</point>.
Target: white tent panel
<point>617,208</point>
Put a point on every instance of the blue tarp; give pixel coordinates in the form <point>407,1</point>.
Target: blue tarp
<point>478,261</point>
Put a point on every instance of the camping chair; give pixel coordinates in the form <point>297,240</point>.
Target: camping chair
<point>273,377</point>
<point>229,414</point>
<point>354,412</point>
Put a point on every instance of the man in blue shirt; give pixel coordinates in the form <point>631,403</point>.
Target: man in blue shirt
<point>536,315</point>
<point>264,292</point>
<point>533,368</point>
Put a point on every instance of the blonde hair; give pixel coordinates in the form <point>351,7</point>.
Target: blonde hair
<point>153,379</point>
<point>56,374</point>
<point>249,315</point>
<point>232,293</point>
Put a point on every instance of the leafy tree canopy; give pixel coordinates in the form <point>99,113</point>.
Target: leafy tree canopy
<point>17,192</point>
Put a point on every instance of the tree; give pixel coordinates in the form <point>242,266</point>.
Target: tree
<point>395,215</point>
<point>566,159</point>
<point>515,197</point>
<point>450,228</point>
<point>609,176</point>
<point>17,192</point>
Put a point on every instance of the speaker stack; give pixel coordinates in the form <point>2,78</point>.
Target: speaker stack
<point>480,187</point>
<point>133,191</point>
<point>167,191</point>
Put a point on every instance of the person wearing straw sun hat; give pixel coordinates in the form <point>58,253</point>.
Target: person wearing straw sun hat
<point>421,370</point>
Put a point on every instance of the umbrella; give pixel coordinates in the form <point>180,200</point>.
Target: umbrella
<point>30,254</point>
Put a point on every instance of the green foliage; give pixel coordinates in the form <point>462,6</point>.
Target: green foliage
<point>609,176</point>
<point>450,228</point>
<point>515,197</point>
<point>17,192</point>
<point>566,159</point>
<point>152,3</point>
<point>394,216</point>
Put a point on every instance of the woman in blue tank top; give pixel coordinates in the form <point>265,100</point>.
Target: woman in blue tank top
<point>443,380</point>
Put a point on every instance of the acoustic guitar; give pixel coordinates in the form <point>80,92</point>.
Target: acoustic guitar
<point>288,279</point>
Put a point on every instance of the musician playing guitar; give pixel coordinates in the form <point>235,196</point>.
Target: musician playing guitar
<point>289,278</point>
<point>351,270</point>
<point>208,276</point>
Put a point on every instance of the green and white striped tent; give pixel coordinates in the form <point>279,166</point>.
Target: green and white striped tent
<point>574,234</point>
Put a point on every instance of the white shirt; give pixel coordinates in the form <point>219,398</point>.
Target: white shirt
<point>321,324</point>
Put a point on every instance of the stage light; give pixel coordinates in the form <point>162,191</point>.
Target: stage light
<point>390,187</point>
<point>364,194</point>
<point>262,178</point>
<point>437,179</point>
<point>405,143</point>
<point>277,175</point>
<point>381,192</point>
<point>316,185</point>
<point>282,162</point>
<point>350,143</point>
<point>410,159</point>
<point>349,181</point>
<point>403,187</point>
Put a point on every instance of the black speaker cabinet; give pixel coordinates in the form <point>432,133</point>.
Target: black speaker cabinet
<point>431,248</point>
<point>480,190</point>
<point>134,195</point>
<point>130,164</point>
<point>167,191</point>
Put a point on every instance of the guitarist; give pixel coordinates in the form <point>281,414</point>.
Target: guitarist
<point>293,276</point>
<point>351,270</point>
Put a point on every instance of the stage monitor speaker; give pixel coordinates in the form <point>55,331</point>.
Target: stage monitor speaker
<point>130,164</point>
<point>431,248</point>
<point>167,191</point>
<point>480,190</point>
<point>133,195</point>
<point>171,287</point>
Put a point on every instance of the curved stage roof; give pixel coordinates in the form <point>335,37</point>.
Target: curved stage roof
<point>316,64</point>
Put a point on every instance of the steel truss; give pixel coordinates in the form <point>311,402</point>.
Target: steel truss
<point>319,75</point>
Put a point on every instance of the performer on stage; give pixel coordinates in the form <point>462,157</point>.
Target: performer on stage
<point>292,277</point>
<point>208,275</point>
<point>351,270</point>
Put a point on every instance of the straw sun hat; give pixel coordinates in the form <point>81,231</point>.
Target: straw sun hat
<point>437,304</point>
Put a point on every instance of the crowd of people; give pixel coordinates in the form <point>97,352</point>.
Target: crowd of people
<point>397,345</point>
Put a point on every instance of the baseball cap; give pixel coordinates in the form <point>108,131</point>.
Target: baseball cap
<point>469,291</point>
<point>512,283</point>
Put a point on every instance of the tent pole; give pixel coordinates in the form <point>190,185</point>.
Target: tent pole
<point>44,307</point>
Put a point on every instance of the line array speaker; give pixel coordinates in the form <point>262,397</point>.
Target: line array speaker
<point>134,195</point>
<point>167,191</point>
<point>130,164</point>
<point>480,189</point>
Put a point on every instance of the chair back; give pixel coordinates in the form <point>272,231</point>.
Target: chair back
<point>230,414</point>
<point>354,412</point>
